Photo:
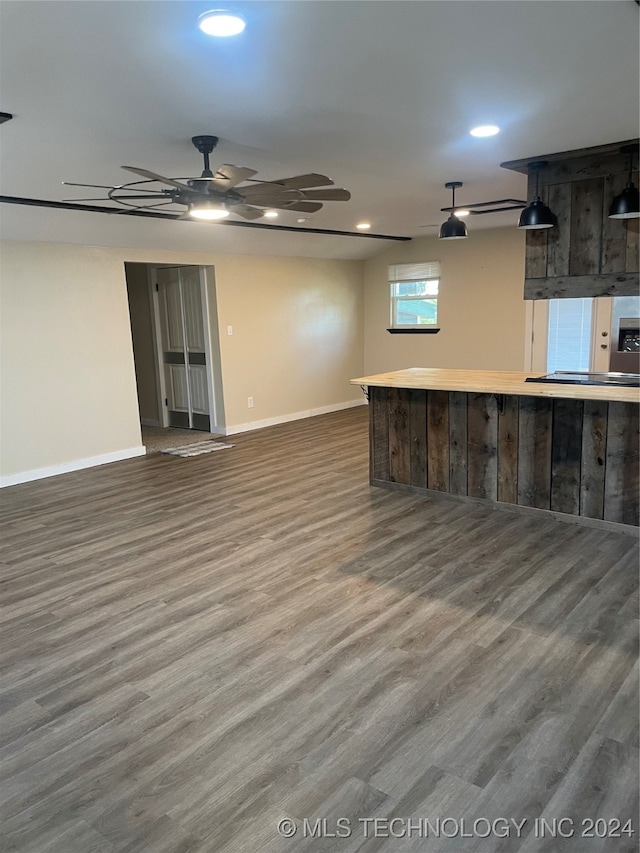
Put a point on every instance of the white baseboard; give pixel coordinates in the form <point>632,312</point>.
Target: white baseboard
<point>118,456</point>
<point>66,467</point>
<point>295,416</point>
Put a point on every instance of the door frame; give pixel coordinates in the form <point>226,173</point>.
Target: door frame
<point>204,272</point>
<point>208,347</point>
<point>157,345</point>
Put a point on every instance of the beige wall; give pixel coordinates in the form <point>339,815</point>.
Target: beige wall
<point>143,346</point>
<point>68,383</point>
<point>481,307</point>
<point>297,334</point>
<point>302,328</point>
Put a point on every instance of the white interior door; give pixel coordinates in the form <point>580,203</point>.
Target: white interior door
<point>184,347</point>
<point>197,367</point>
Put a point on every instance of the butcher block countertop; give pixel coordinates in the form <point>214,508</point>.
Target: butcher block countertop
<point>495,382</point>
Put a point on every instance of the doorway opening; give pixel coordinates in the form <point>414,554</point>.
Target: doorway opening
<point>174,329</point>
<point>582,334</point>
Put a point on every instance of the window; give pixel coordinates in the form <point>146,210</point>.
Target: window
<point>414,296</point>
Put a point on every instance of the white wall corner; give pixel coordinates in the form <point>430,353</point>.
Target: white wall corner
<point>67,467</point>
<point>234,429</point>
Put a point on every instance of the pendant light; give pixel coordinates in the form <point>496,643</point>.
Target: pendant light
<point>453,228</point>
<point>537,214</point>
<point>627,204</point>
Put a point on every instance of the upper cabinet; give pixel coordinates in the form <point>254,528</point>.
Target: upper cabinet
<point>586,254</point>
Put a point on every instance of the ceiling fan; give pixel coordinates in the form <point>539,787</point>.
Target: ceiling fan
<point>231,189</point>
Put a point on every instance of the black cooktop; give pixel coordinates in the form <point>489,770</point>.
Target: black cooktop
<point>576,377</point>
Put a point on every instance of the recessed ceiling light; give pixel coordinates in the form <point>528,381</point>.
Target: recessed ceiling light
<point>220,22</point>
<point>302,219</point>
<point>271,214</point>
<point>485,130</point>
<point>363,226</point>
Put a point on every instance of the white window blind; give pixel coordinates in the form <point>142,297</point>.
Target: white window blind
<point>569,341</point>
<point>414,272</point>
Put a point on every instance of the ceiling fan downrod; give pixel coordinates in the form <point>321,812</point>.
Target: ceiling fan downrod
<point>205,145</point>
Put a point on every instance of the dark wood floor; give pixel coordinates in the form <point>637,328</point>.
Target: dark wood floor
<point>195,649</point>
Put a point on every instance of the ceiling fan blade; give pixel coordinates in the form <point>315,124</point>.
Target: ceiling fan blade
<point>229,176</point>
<point>134,208</point>
<point>246,211</point>
<point>266,189</point>
<point>299,182</point>
<point>327,195</point>
<point>167,203</point>
<point>152,176</point>
<point>91,186</point>
<point>149,197</point>
<point>275,202</point>
<point>272,200</point>
<point>102,198</point>
<point>305,206</point>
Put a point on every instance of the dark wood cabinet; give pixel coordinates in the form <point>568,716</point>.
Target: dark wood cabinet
<point>587,254</point>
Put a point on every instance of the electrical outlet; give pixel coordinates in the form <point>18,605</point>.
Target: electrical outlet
<point>229,330</point>
<point>250,402</point>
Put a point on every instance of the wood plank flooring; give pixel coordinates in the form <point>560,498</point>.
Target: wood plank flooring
<point>195,649</point>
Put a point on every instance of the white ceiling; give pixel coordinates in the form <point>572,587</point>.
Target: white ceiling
<point>378,95</point>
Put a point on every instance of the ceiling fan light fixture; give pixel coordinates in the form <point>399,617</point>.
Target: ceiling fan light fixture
<point>207,211</point>
<point>626,205</point>
<point>221,23</point>
<point>484,130</point>
<point>453,228</point>
<point>537,215</point>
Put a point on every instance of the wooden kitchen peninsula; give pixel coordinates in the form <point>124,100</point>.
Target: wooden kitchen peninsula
<point>489,435</point>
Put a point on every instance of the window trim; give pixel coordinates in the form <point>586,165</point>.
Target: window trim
<point>414,330</point>
<point>426,271</point>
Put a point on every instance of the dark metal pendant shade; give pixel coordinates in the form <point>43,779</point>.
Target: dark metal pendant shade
<point>537,215</point>
<point>626,205</point>
<point>453,228</point>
